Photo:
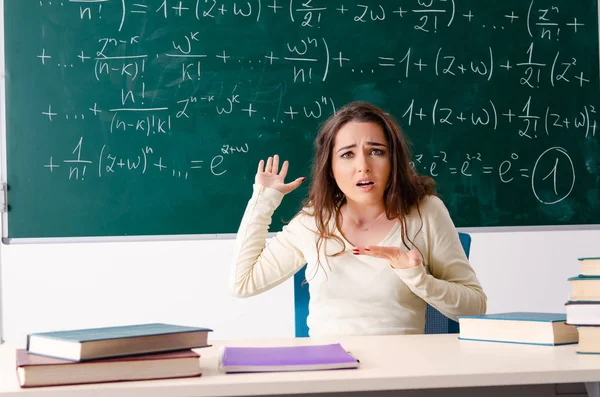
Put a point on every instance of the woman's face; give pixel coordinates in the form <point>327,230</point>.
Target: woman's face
<point>361,163</point>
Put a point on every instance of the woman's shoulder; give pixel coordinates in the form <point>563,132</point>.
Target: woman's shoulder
<point>304,218</point>
<point>432,205</point>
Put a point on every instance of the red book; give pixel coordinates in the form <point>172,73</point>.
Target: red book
<point>34,370</point>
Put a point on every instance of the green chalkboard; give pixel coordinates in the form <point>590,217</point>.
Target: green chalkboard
<point>148,117</point>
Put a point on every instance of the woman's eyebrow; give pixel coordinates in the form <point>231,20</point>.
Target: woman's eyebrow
<point>370,143</point>
<point>346,147</point>
<point>376,144</point>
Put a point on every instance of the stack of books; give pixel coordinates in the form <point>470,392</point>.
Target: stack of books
<point>583,309</point>
<point>111,354</point>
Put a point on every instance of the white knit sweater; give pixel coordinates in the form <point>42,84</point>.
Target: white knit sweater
<point>356,294</point>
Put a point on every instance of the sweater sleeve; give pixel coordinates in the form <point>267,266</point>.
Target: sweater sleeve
<point>257,265</point>
<point>452,287</point>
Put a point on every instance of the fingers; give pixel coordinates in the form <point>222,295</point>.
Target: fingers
<point>275,168</point>
<point>374,251</point>
<point>269,165</point>
<point>413,258</point>
<point>272,166</point>
<point>377,251</point>
<point>363,250</point>
<point>397,258</point>
<point>284,169</point>
<point>294,185</point>
<point>413,254</point>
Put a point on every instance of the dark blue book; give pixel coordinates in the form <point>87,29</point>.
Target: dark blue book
<point>535,328</point>
<point>94,343</point>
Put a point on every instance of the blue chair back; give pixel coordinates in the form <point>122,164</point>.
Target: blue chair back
<point>435,322</point>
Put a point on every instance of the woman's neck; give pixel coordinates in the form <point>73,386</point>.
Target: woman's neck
<point>361,214</point>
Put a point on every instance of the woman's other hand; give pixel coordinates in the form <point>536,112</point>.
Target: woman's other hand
<point>397,258</point>
<point>269,175</point>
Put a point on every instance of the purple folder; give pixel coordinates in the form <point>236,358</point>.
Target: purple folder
<point>290,358</point>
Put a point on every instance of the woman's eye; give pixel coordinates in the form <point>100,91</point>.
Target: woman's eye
<point>377,152</point>
<point>346,155</point>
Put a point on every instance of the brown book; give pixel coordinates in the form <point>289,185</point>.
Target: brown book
<point>34,370</point>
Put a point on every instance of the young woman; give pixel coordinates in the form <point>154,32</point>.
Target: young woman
<point>378,243</point>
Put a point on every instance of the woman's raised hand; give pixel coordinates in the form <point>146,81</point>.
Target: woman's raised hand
<point>269,175</point>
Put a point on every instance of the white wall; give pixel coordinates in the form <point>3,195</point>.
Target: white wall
<point>60,286</point>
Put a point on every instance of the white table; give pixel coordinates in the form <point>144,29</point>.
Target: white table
<point>419,364</point>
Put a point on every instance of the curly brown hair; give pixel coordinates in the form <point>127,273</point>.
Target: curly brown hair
<point>405,188</point>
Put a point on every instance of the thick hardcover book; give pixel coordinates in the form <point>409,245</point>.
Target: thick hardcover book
<point>34,370</point>
<point>589,266</point>
<point>94,343</point>
<point>583,312</point>
<point>518,327</point>
<point>287,358</point>
<point>589,339</point>
<point>585,288</point>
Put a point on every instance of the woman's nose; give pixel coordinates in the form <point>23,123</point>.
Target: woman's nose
<point>362,164</point>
